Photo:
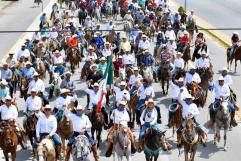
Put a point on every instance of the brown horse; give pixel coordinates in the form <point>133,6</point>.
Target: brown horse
<point>176,120</point>
<point>9,141</point>
<point>186,54</point>
<point>64,130</point>
<point>98,122</point>
<point>236,57</point>
<point>164,77</point>
<point>46,150</point>
<point>24,87</point>
<point>198,93</point>
<point>132,105</point>
<point>189,139</point>
<point>87,70</point>
<point>40,68</point>
<point>74,58</point>
<point>111,37</point>
<point>206,76</point>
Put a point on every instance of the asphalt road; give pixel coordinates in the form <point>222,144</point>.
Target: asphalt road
<point>219,13</point>
<point>211,152</point>
<point>16,15</point>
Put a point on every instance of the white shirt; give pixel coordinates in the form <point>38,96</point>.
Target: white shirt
<point>143,93</point>
<point>94,98</point>
<point>128,59</point>
<point>176,90</point>
<point>23,53</point>
<point>179,63</point>
<point>170,34</point>
<point>192,78</point>
<point>61,102</point>
<point>223,91</point>
<point>53,35</point>
<point>32,104</point>
<point>80,124</point>
<point>144,45</point>
<point>120,116</point>
<point>58,60</point>
<point>203,63</point>
<point>36,37</point>
<point>228,80</point>
<point>171,47</point>
<point>152,119</point>
<point>39,85</point>
<point>93,56</point>
<point>106,53</point>
<point>188,109</point>
<point>121,95</point>
<point>134,79</point>
<point>46,125</point>
<point>8,112</point>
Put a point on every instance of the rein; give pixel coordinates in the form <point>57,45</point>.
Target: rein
<point>195,140</point>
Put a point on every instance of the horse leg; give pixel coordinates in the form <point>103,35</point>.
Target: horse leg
<point>225,139</point>
<point>218,134</point>
<point>215,134</point>
<point>186,154</point>
<point>13,155</point>
<point>99,137</point>
<point>235,68</point>
<point>156,157</point>
<point>163,85</point>
<point>6,155</point>
<point>167,86</point>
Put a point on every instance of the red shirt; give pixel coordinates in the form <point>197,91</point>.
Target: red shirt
<point>184,39</point>
<point>118,65</point>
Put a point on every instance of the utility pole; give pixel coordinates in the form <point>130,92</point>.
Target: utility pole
<point>42,5</point>
<point>185,5</point>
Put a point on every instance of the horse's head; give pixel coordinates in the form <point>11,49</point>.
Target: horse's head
<point>31,122</point>
<point>223,107</point>
<point>156,138</point>
<point>189,126</point>
<point>8,135</point>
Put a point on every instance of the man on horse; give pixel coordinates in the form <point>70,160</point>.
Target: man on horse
<point>192,76</point>
<point>121,93</point>
<point>203,62</point>
<point>9,114</point>
<point>119,116</point>
<point>81,126</point>
<point>91,55</point>
<point>125,45</point>
<point>58,61</point>
<point>7,74</point>
<point>148,118</point>
<point>107,51</point>
<point>135,80</point>
<point>67,82</point>
<point>177,86</point>
<point>46,128</point>
<point>178,62</point>
<point>144,44</point>
<point>222,93</point>
<point>118,65</point>
<point>23,52</point>
<point>189,110</point>
<point>10,60</point>
<point>235,43</point>
<point>128,59</point>
<point>4,90</point>
<point>94,98</point>
<point>102,65</point>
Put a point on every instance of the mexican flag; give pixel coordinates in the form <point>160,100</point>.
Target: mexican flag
<point>107,80</point>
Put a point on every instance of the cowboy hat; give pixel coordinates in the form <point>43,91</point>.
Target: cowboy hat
<point>220,78</point>
<point>102,58</point>
<point>122,83</point>
<point>28,63</point>
<point>120,57</point>
<point>189,96</point>
<point>181,79</point>
<point>179,53</point>
<point>90,48</point>
<point>47,107</point>
<point>143,35</point>
<point>7,98</point>
<point>34,90</point>
<point>96,85</point>
<point>150,101</point>
<point>192,66</point>
<point>5,63</point>
<point>68,73</point>
<point>224,69</point>
<point>107,43</point>
<point>64,90</point>
<point>135,68</point>
<point>79,107</point>
<point>124,37</point>
<point>122,103</point>
<point>35,74</point>
<point>4,82</point>
<point>94,65</point>
<point>75,35</point>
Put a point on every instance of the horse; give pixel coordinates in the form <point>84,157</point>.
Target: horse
<point>189,138</point>
<point>64,130</point>
<point>80,149</point>
<point>206,76</point>
<point>87,70</point>
<point>54,82</point>
<point>186,54</point>
<point>198,93</point>
<point>40,68</point>
<point>9,141</point>
<point>147,72</point>
<point>74,58</point>
<point>236,56</point>
<point>30,126</point>
<point>122,144</point>
<point>98,122</point>
<point>46,150</point>
<point>180,73</point>
<point>153,141</point>
<point>176,120</point>
<point>222,119</point>
<point>15,80</point>
<point>132,104</point>
<point>24,87</point>
<point>122,74</point>
<point>164,77</point>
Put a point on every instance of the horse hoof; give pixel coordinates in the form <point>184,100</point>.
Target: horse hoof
<point>215,143</point>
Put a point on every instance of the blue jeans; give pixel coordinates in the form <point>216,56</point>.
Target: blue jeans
<point>56,139</point>
<point>59,114</point>
<point>139,108</point>
<point>133,88</point>
<point>75,134</point>
<point>147,125</point>
<point>198,128</point>
<point>59,69</point>
<point>230,105</point>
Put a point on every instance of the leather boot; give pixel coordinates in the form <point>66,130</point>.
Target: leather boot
<point>233,121</point>
<point>141,145</point>
<point>179,140</point>
<point>22,139</point>
<point>95,152</point>
<point>109,149</point>
<point>58,152</point>
<point>68,151</point>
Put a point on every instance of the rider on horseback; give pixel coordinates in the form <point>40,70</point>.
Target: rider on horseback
<point>7,74</point>
<point>46,128</point>
<point>203,62</point>
<point>119,116</point>
<point>178,62</point>
<point>189,110</point>
<point>67,82</point>
<point>81,126</point>
<point>222,93</point>
<point>192,76</point>
<point>58,61</point>
<point>9,114</point>
<point>4,90</point>
<point>121,93</point>
<point>148,118</point>
<point>235,43</point>
<point>135,80</point>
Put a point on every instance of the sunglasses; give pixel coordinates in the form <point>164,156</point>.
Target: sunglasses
<point>47,109</point>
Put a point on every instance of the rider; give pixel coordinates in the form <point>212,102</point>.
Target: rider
<point>107,51</point>
<point>192,76</point>
<point>102,65</point>
<point>189,110</point>
<point>146,60</point>
<point>235,42</point>
<point>119,116</point>
<point>7,74</point>
<point>203,62</point>
<point>170,33</point>
<point>81,126</point>
<point>222,93</point>
<point>128,17</point>
<point>67,82</point>
<point>171,44</point>
<point>10,60</point>
<point>9,113</point>
<point>38,84</point>
<point>144,43</point>
<point>23,52</point>
<point>135,80</point>
<point>178,62</point>
<point>227,78</point>
<point>58,61</point>
<point>125,44</point>
<point>28,71</point>
<point>118,64</point>
<point>46,128</point>
<point>4,90</point>
<point>176,87</point>
<point>94,99</point>
<point>91,54</point>
<point>128,59</point>
<point>121,93</point>
<point>148,118</point>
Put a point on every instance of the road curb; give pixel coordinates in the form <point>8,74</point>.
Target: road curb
<point>202,24</point>
<point>32,27</point>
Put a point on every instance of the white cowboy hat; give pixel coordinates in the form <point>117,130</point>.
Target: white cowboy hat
<point>143,35</point>
<point>107,43</point>
<point>150,101</point>
<point>185,32</point>
<point>192,66</point>
<point>102,58</point>
<point>35,74</point>
<point>4,82</point>
<point>28,63</point>
<point>203,53</point>
<point>79,107</point>
<point>47,107</point>
<point>34,90</point>
<point>7,98</point>
<point>235,33</point>
<point>96,85</point>
<point>171,38</point>
<point>224,69</point>
<point>64,90</point>
<point>135,68</point>
<point>120,57</point>
<point>179,53</point>
<point>189,96</point>
<point>90,47</point>
<point>181,79</point>
<point>124,37</point>
<point>94,65</point>
<point>75,35</point>
<point>122,103</point>
<point>68,73</point>
<point>221,78</point>
<point>122,83</point>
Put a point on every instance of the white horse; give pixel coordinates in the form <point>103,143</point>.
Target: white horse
<point>122,145</point>
<point>81,149</point>
<point>148,73</point>
<point>46,150</point>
